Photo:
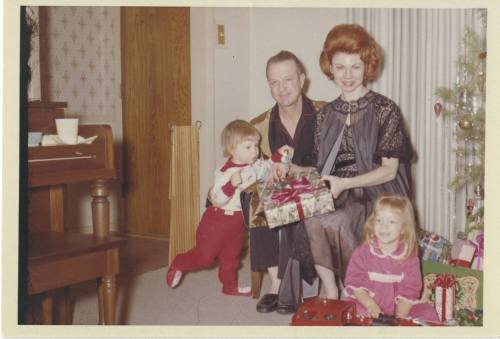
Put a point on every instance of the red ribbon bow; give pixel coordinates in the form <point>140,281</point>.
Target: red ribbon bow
<point>478,241</point>
<point>292,193</point>
<point>445,280</point>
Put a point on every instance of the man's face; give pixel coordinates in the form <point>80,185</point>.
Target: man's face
<point>285,82</point>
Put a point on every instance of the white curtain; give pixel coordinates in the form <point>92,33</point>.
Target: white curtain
<point>421,47</point>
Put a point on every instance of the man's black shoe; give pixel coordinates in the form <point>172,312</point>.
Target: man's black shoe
<point>268,303</point>
<point>285,309</point>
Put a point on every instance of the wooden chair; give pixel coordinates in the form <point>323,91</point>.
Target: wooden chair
<point>256,283</point>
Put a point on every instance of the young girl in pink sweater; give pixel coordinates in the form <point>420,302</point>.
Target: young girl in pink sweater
<point>383,275</point>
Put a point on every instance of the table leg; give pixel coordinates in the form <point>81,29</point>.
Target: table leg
<point>100,301</point>
<point>64,306</point>
<point>100,207</point>
<point>107,294</point>
<point>47,309</point>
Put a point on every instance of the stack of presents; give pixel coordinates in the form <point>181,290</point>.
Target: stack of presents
<point>452,272</point>
<point>453,275</point>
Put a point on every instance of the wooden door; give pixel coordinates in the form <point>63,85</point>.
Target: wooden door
<point>156,92</point>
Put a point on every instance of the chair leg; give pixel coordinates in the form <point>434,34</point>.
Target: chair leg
<point>256,283</point>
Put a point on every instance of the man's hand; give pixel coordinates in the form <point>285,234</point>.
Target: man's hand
<point>296,169</point>
<point>286,153</point>
<point>278,171</point>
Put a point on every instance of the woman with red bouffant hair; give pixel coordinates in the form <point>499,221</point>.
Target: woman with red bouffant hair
<point>362,148</point>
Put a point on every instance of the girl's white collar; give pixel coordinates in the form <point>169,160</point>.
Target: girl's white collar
<point>397,254</point>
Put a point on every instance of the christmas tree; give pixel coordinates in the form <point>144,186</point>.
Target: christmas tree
<point>465,106</point>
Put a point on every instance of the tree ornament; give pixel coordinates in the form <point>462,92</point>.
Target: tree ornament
<point>465,124</point>
<point>478,190</point>
<point>438,108</point>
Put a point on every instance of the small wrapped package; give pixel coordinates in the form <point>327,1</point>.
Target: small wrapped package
<point>444,301</point>
<point>295,198</point>
<point>462,253</point>
<point>476,237</point>
<point>434,247</point>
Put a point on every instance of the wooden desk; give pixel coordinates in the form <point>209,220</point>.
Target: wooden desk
<point>51,168</point>
<point>56,258</point>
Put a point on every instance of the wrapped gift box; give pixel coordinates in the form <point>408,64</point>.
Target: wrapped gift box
<point>444,301</point>
<point>295,198</point>
<point>469,284</point>
<point>476,237</point>
<point>433,247</point>
<point>462,253</point>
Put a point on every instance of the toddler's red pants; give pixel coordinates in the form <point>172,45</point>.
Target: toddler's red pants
<point>218,236</point>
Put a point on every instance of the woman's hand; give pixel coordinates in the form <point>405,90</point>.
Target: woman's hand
<point>384,173</point>
<point>337,184</point>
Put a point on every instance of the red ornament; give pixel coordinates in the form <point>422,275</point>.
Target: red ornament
<point>438,108</point>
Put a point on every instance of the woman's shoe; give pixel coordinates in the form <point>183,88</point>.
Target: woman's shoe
<point>285,309</point>
<point>268,303</point>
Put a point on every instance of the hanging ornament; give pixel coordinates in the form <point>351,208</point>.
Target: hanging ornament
<point>478,190</point>
<point>465,124</point>
<point>481,82</point>
<point>438,108</point>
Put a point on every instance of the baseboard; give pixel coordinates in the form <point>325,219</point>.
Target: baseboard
<point>144,236</point>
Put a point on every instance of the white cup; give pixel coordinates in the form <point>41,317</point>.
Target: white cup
<point>67,130</point>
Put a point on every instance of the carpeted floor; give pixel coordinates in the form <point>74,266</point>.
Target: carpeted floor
<point>145,299</point>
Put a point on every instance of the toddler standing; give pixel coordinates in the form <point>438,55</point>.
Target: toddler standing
<point>221,231</point>
<point>383,275</point>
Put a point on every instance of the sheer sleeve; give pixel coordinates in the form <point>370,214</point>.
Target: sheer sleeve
<point>392,140</point>
<point>320,116</point>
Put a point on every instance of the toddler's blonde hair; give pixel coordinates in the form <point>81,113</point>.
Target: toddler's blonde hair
<point>402,206</point>
<point>236,132</point>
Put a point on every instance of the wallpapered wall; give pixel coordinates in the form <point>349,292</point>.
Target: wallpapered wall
<point>84,56</point>
<point>85,71</point>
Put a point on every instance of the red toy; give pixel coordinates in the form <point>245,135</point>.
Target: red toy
<point>326,312</point>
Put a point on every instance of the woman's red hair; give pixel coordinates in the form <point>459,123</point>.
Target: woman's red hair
<point>351,39</point>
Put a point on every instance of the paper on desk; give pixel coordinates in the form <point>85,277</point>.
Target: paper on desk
<point>54,140</point>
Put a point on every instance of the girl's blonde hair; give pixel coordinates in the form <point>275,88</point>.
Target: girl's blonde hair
<point>236,132</point>
<point>402,206</point>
